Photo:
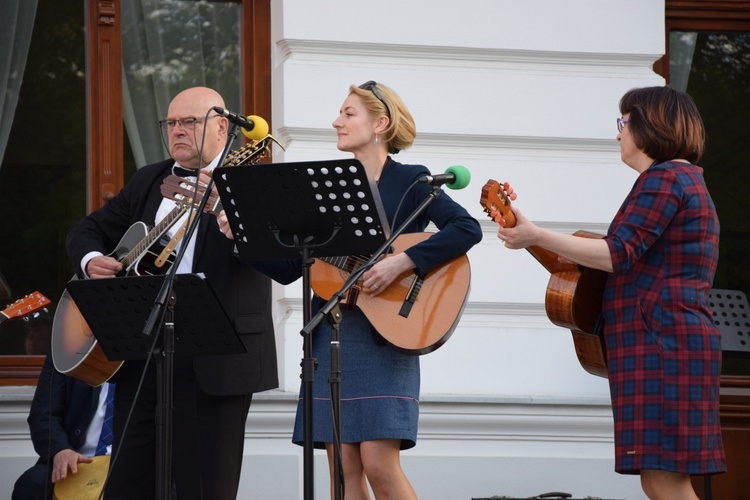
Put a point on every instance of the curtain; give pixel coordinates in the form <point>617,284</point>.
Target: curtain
<point>681,50</point>
<point>16,25</point>
<point>168,46</point>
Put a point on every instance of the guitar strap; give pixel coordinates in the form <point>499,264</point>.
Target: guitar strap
<point>169,247</point>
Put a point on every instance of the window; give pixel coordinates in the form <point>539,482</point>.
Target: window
<point>708,47</point>
<point>70,149</point>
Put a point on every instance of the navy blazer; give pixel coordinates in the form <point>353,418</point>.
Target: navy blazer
<point>61,412</point>
<point>457,232</point>
<point>244,292</point>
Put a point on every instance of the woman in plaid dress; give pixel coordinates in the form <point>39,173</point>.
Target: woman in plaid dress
<point>661,250</point>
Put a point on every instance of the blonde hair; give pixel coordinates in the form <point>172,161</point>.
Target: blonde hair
<point>401,130</point>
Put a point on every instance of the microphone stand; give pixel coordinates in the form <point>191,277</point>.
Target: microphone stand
<point>331,311</point>
<point>165,367</point>
<point>166,288</point>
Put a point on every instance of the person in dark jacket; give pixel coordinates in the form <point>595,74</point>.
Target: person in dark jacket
<point>380,384</point>
<point>212,394</point>
<point>65,421</point>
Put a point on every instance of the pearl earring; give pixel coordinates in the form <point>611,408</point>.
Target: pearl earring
<point>376,140</point>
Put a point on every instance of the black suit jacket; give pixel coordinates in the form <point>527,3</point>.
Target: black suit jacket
<point>61,412</point>
<point>244,292</point>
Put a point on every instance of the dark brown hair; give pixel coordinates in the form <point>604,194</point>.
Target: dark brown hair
<point>664,123</point>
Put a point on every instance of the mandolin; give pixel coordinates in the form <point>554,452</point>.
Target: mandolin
<point>574,293</point>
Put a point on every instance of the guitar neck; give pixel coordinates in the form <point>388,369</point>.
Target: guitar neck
<point>496,201</point>
<point>551,261</point>
<point>153,235</point>
<point>340,262</point>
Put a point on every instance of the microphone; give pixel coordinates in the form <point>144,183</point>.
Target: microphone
<point>455,177</point>
<point>254,127</point>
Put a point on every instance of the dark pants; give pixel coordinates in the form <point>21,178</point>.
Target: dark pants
<point>35,483</point>
<point>208,438</point>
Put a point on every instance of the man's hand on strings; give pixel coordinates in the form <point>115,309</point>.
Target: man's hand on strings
<point>103,267</point>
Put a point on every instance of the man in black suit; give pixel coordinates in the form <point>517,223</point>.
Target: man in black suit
<point>61,427</point>
<point>212,394</point>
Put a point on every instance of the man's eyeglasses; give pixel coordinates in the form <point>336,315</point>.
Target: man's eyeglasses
<point>372,86</point>
<point>621,123</point>
<point>188,123</point>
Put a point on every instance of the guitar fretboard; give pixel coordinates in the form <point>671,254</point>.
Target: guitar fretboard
<point>153,235</point>
<point>340,262</point>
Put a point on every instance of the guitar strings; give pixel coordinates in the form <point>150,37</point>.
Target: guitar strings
<point>360,260</point>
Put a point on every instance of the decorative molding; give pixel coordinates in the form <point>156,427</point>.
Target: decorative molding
<point>611,65</point>
<point>488,144</point>
<point>107,13</point>
<point>453,417</point>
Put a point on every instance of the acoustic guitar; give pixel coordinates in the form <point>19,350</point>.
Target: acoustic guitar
<point>75,350</point>
<point>574,293</point>
<point>415,314</point>
<point>24,307</point>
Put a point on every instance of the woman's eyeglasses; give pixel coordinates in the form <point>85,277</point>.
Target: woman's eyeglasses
<point>621,123</point>
<point>372,86</point>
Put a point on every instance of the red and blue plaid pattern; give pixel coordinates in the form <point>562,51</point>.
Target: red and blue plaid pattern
<point>664,353</point>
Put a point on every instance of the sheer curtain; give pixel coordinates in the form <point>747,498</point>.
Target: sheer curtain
<point>168,46</point>
<point>16,25</point>
<point>681,50</point>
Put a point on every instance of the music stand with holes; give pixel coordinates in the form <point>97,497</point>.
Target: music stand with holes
<point>731,315</point>
<point>197,325</point>
<point>311,209</point>
<point>732,318</point>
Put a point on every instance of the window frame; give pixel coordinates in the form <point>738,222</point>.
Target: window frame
<point>105,134</point>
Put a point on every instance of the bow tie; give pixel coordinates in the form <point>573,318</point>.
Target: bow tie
<point>183,172</point>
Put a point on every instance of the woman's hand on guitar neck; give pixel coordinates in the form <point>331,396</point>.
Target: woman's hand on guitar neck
<point>589,252</point>
<point>509,194</point>
<point>523,235</point>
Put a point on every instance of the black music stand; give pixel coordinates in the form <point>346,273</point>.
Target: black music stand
<point>196,325</point>
<point>730,315</point>
<point>323,209</point>
<point>333,203</point>
<point>117,308</point>
<point>732,318</point>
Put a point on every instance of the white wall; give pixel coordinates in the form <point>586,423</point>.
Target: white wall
<point>526,92</point>
<point>520,91</point>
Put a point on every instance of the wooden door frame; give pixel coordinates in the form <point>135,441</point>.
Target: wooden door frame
<point>701,15</point>
<point>105,130</point>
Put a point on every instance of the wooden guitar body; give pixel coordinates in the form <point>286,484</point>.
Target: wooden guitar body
<point>75,350</point>
<point>415,314</point>
<point>574,300</point>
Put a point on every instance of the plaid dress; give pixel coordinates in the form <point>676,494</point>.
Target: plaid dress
<point>664,353</point>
